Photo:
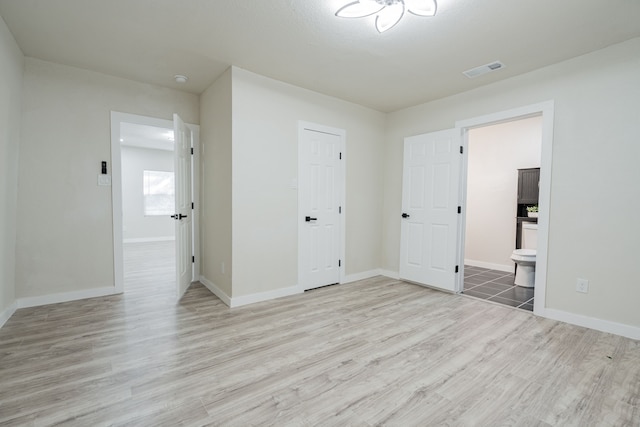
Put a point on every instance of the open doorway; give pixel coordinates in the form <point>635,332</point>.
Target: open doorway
<point>148,201</point>
<point>143,228</point>
<point>500,159</point>
<point>545,111</point>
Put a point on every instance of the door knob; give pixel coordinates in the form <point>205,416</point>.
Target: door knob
<point>309,219</point>
<point>405,215</point>
<point>174,216</point>
<point>180,216</point>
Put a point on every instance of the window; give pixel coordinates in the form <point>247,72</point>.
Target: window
<point>159,193</point>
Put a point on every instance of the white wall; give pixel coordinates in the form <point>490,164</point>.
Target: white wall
<point>64,230</point>
<point>136,226</point>
<point>265,161</point>
<point>594,198</point>
<point>11,69</point>
<point>495,154</point>
<point>215,172</point>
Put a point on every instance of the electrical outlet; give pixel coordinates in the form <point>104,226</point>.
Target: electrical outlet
<point>582,285</point>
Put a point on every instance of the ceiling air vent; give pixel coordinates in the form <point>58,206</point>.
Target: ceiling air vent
<point>484,69</point>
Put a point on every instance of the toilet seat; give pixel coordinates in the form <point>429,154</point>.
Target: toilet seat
<point>524,255</point>
<point>525,260</point>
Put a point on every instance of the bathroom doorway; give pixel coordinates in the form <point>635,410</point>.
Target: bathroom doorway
<point>544,110</point>
<point>495,154</point>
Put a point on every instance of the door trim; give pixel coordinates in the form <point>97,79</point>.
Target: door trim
<point>302,125</point>
<point>546,110</point>
<point>116,189</point>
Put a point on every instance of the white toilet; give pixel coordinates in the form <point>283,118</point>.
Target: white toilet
<point>525,258</point>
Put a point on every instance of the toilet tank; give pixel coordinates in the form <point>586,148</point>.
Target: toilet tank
<point>529,235</point>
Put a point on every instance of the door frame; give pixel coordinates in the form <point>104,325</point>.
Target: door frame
<point>116,190</point>
<point>342,134</point>
<point>546,110</point>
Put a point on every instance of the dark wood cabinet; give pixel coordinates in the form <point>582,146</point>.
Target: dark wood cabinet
<point>528,191</point>
<point>528,186</point>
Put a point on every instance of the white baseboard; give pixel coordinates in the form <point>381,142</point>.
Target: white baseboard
<point>360,276</point>
<point>491,266</point>
<point>150,239</point>
<point>389,273</point>
<point>265,296</point>
<point>65,297</point>
<point>276,293</point>
<point>7,313</point>
<point>233,302</point>
<point>615,328</point>
<point>216,290</point>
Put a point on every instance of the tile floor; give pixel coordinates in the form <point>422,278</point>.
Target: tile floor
<point>496,286</point>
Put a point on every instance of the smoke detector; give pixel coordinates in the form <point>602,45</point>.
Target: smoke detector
<point>180,78</point>
<point>484,69</point>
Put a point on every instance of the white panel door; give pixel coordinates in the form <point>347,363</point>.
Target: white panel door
<point>430,193</point>
<point>320,183</point>
<point>183,216</point>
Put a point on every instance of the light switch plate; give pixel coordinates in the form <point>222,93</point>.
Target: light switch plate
<point>104,180</point>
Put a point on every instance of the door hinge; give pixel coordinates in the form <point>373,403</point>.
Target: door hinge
<point>192,205</point>
<point>339,209</point>
<point>193,258</point>
<point>457,268</point>
<point>461,150</point>
<point>339,263</point>
<point>459,209</point>
<point>340,156</point>
<point>191,150</point>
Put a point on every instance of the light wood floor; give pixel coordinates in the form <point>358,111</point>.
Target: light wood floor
<point>150,268</point>
<point>374,352</point>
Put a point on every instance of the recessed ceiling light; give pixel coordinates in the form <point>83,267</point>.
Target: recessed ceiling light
<point>180,78</point>
<point>484,69</point>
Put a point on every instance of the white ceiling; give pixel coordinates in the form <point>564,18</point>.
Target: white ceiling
<point>301,41</point>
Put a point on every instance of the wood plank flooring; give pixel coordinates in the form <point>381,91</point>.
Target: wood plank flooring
<point>374,352</point>
<point>150,268</point>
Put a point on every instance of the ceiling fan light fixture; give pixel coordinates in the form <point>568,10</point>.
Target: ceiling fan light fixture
<point>359,9</point>
<point>389,16</point>
<point>388,12</point>
<point>422,7</point>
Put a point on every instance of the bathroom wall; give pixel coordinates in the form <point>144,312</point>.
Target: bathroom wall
<point>136,226</point>
<point>495,154</point>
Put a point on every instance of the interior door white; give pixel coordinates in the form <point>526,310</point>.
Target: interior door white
<point>320,178</point>
<point>430,193</point>
<point>183,198</point>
